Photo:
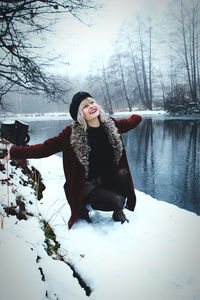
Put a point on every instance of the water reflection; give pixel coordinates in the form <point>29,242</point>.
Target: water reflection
<point>164,160</point>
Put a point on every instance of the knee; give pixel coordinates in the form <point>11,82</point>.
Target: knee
<point>123,174</point>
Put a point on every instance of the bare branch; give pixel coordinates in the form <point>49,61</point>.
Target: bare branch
<point>20,22</point>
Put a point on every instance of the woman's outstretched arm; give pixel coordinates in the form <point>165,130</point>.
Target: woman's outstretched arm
<point>127,124</point>
<point>49,147</point>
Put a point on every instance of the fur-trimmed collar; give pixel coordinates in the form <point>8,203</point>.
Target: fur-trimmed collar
<point>79,142</point>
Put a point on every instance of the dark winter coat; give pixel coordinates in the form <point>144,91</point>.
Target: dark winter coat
<point>72,141</point>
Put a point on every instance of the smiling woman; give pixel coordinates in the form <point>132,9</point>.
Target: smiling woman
<point>94,160</point>
<point>90,113</point>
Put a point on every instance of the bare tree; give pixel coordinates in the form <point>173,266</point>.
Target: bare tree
<point>117,81</point>
<point>98,85</point>
<point>162,84</point>
<point>21,65</point>
<point>147,80</point>
<point>150,67</point>
<point>186,44</point>
<point>124,82</point>
<point>106,94</point>
<point>136,70</point>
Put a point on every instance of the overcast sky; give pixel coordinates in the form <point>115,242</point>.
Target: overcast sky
<point>80,44</point>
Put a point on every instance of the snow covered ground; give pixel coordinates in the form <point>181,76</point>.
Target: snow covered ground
<point>66,116</point>
<point>154,256</point>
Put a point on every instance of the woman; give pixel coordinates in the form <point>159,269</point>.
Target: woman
<point>94,160</point>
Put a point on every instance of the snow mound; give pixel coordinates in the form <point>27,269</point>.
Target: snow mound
<point>154,256</point>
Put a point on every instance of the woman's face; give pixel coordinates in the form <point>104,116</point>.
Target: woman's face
<point>90,109</point>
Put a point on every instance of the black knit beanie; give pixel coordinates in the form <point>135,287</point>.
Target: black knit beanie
<point>76,101</point>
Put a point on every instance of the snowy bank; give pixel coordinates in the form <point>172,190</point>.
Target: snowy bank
<point>154,256</point>
<point>66,116</point>
<point>36,116</point>
<point>141,113</point>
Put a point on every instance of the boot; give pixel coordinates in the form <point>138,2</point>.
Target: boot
<point>119,216</point>
<point>84,214</point>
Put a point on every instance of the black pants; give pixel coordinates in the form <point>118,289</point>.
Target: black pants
<point>110,195</point>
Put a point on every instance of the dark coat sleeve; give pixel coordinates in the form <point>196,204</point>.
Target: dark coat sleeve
<point>49,147</point>
<point>124,125</point>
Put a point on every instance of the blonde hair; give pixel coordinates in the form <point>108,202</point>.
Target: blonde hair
<point>81,120</point>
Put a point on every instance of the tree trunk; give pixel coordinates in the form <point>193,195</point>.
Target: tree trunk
<point>136,74</point>
<point>194,56</point>
<point>107,90</point>
<point>123,82</point>
<point>186,53</point>
<point>145,84</point>
<point>150,71</point>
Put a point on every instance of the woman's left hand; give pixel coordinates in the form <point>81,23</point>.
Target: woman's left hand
<point>3,150</point>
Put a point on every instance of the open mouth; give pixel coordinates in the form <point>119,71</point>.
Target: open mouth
<point>93,110</point>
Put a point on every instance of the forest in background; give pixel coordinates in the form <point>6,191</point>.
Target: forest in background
<point>153,65</point>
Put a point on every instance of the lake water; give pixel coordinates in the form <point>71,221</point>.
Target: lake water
<point>163,154</point>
